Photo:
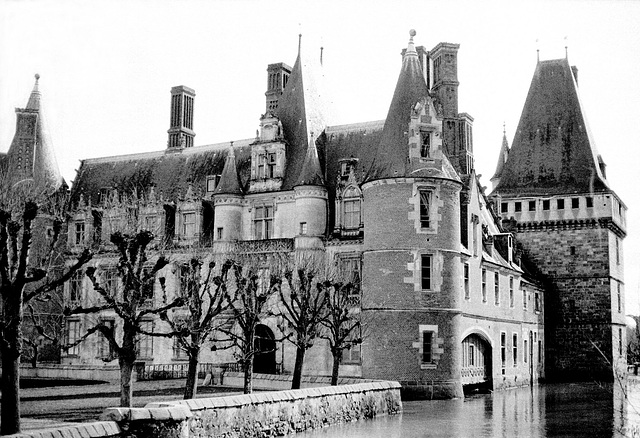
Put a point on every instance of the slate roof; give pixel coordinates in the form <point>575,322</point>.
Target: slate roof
<point>504,152</point>
<point>553,151</point>
<point>229,180</point>
<point>44,171</point>
<point>393,150</point>
<point>311,173</point>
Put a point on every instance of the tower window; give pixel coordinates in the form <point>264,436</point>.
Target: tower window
<point>532,205</point>
<point>219,232</point>
<point>425,272</point>
<point>466,281</point>
<point>560,204</point>
<point>303,228</point>
<point>575,202</point>
<point>427,347</point>
<point>546,204</point>
<point>425,144</point>
<point>425,204</point>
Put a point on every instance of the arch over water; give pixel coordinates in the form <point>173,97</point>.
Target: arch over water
<point>476,360</point>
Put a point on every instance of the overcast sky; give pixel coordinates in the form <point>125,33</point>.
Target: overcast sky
<point>107,67</point>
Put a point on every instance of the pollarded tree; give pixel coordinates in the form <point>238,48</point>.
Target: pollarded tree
<point>303,307</point>
<point>255,282</point>
<point>27,274</point>
<point>131,304</point>
<point>342,321</point>
<point>206,301</point>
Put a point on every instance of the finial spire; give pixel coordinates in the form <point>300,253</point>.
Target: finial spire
<point>34,98</point>
<point>299,42</point>
<point>410,47</point>
<point>566,48</point>
<point>321,50</point>
<point>538,49</point>
<point>504,128</point>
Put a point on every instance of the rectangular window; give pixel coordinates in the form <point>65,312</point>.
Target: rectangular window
<point>263,222</point>
<point>425,272</point>
<point>617,250</point>
<point>620,342</point>
<point>619,299</point>
<point>79,236</point>
<point>575,202</point>
<point>75,287</point>
<point>514,346</point>
<point>532,205</point>
<point>425,144</point>
<point>105,351</point>
<point>504,207</point>
<point>472,355</point>
<point>189,224</point>
<point>536,304</point>
<point>110,278</point>
<point>467,293</point>
<point>303,228</point>
<point>353,354</point>
<point>145,342</point>
<point>518,207</point>
<point>73,336</point>
<point>147,290</point>
<point>589,202</point>
<point>350,271</point>
<point>524,299</point>
<point>484,285</point>
<point>511,292</point>
<point>219,232</point>
<point>546,204</point>
<point>560,204</point>
<point>178,352</point>
<point>427,347</point>
<point>425,204</point>
<point>496,288</point>
<point>526,350</point>
<point>503,351</point>
<point>352,213</point>
<point>271,165</point>
<point>261,166</point>
<point>151,223</point>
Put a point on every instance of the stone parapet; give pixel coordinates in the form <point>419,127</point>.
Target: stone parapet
<point>102,429</point>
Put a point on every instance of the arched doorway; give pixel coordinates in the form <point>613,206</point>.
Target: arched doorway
<point>265,347</point>
<point>476,363</point>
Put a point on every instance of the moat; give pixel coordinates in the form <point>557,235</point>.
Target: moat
<point>567,410</point>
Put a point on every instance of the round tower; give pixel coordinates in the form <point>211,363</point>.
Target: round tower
<point>411,263</point>
<point>311,198</point>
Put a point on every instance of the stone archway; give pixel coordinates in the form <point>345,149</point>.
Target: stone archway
<point>476,362</point>
<point>265,346</point>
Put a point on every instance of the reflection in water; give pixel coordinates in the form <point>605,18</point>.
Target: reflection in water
<point>569,410</point>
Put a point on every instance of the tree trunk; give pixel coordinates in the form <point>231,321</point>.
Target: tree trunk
<point>191,386</point>
<point>297,371</point>
<point>126,382</point>
<point>10,421</point>
<point>336,368</point>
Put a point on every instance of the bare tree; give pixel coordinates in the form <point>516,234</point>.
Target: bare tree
<point>206,300</point>
<point>255,279</point>
<point>131,305</point>
<point>26,274</point>
<point>342,321</point>
<point>303,307</point>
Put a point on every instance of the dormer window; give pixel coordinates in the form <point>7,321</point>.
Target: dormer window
<point>425,144</point>
<point>79,233</point>
<point>346,166</point>
<point>188,224</point>
<point>271,165</point>
<point>212,182</point>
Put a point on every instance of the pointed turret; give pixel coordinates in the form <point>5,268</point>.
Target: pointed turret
<point>301,111</point>
<point>311,173</point>
<point>502,159</point>
<point>30,157</point>
<point>393,150</point>
<point>229,180</point>
<point>552,151</point>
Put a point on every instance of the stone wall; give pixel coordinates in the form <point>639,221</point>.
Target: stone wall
<point>265,414</point>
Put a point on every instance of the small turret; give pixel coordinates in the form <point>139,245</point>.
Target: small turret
<point>502,159</point>
<point>228,202</point>
<point>311,195</point>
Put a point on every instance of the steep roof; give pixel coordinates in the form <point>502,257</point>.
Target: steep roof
<point>393,150</point>
<point>301,110</point>
<point>31,156</point>
<point>311,173</point>
<point>552,151</point>
<point>229,181</point>
<point>504,153</point>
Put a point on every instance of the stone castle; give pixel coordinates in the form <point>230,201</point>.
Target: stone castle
<point>466,288</point>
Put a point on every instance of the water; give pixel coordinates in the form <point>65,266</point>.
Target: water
<point>569,410</point>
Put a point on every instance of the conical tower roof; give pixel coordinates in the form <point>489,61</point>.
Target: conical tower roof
<point>311,173</point>
<point>229,180</point>
<point>31,156</point>
<point>301,110</point>
<point>504,153</point>
<point>553,151</point>
<point>393,150</point>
